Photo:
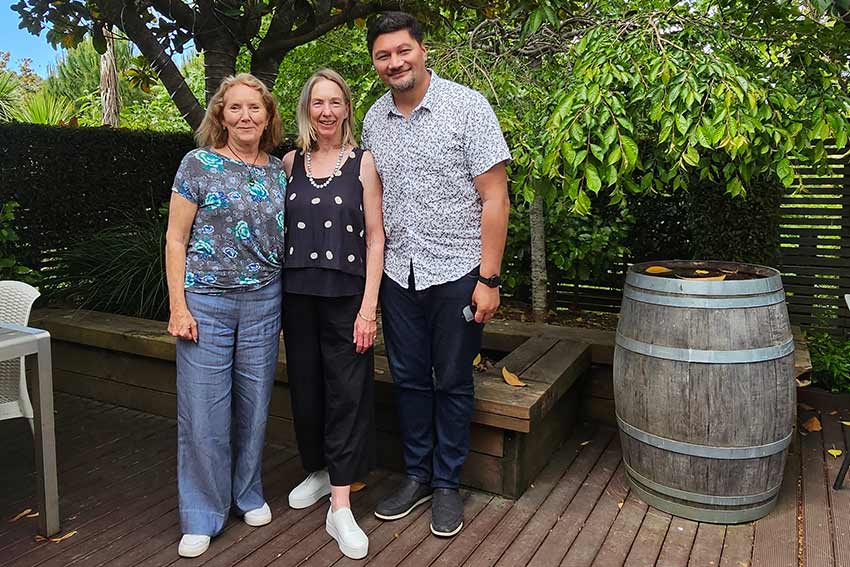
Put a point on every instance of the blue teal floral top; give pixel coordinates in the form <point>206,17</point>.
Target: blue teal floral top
<point>236,243</point>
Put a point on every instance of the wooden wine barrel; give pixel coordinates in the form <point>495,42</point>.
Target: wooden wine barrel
<point>704,389</point>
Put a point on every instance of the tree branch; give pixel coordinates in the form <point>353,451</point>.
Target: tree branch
<point>182,14</point>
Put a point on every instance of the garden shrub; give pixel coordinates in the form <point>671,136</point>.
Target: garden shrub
<point>10,267</point>
<point>830,360</point>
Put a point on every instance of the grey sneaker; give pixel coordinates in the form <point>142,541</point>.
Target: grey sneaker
<point>410,495</point>
<point>446,512</point>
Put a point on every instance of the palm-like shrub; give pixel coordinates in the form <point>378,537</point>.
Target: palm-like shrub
<point>120,270</point>
<point>10,95</point>
<point>44,108</point>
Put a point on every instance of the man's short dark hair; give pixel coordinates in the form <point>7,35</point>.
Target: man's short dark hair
<point>389,22</point>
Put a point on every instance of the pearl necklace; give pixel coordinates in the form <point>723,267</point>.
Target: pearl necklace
<point>337,169</point>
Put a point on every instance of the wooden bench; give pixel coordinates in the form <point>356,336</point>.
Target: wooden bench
<point>130,362</point>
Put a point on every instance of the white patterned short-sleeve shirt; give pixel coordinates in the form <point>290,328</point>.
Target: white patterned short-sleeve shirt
<point>427,163</point>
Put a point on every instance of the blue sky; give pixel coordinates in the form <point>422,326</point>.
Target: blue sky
<point>23,44</point>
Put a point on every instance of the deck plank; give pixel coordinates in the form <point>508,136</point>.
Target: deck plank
<point>775,542</point>
<point>464,544</point>
<point>818,542</point>
<point>622,534</point>
<point>676,549</point>
<point>649,539</point>
<point>839,500</point>
<point>562,535</point>
<point>738,546</point>
<point>708,544</point>
<point>593,533</point>
<point>495,543</point>
<point>524,546</point>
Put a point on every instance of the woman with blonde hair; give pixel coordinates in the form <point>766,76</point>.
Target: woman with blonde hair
<point>334,262</point>
<point>224,249</point>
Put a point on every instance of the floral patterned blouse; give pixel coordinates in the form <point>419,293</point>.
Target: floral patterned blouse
<point>237,240</point>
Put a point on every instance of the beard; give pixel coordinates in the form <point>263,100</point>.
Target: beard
<point>404,85</point>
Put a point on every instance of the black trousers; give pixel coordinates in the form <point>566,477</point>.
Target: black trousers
<point>331,385</point>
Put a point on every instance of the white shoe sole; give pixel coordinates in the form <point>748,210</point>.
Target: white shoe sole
<point>312,498</point>
<point>255,522</point>
<point>446,534</point>
<point>422,500</point>
<point>347,550</point>
<point>195,551</point>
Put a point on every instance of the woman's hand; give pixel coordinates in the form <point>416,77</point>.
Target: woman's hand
<point>182,325</point>
<point>364,333</point>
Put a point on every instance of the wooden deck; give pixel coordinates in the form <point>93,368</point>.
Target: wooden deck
<point>118,508</point>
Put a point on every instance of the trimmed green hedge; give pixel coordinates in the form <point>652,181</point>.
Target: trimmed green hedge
<point>74,182</point>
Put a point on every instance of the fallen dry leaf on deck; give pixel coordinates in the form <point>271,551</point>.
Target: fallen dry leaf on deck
<point>805,407</point>
<point>835,452</point>
<point>833,412</point>
<point>21,515</point>
<point>803,383</point>
<point>512,378</point>
<point>812,424</point>
<point>379,371</point>
<point>583,443</point>
<point>358,486</point>
<point>39,538</point>
<point>64,537</point>
<point>477,360</point>
<point>847,423</point>
<point>33,515</point>
<point>620,504</point>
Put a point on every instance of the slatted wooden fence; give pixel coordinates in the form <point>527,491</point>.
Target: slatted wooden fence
<point>815,255</point>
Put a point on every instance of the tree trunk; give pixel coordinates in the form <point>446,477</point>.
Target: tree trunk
<point>132,25</point>
<point>539,278</point>
<point>110,99</point>
<point>219,62</point>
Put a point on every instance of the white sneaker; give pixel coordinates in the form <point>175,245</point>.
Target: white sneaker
<point>192,545</point>
<point>316,486</point>
<point>342,526</point>
<point>259,516</point>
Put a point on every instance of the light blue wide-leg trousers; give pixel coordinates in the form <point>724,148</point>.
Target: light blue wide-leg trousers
<point>224,384</point>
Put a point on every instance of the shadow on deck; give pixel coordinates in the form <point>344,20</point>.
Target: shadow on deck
<point>118,488</point>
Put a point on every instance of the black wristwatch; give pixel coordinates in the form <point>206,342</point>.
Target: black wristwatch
<point>492,281</point>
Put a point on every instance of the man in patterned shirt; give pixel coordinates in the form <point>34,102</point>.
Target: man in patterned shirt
<point>441,156</point>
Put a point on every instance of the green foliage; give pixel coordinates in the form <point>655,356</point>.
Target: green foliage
<point>706,224</point>
<point>76,73</point>
<point>44,108</point>
<point>10,267</point>
<point>830,361</point>
<point>10,95</point>
<point>78,182</point>
<point>118,270</point>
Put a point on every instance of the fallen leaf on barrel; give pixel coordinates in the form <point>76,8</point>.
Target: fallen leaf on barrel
<point>658,270</point>
<point>512,378</point>
<point>702,272</point>
<point>64,537</point>
<point>358,486</point>
<point>803,384</point>
<point>21,515</point>
<point>477,360</point>
<point>812,424</point>
<point>847,423</point>
<point>835,452</point>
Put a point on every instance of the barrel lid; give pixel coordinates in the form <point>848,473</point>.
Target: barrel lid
<point>767,279</point>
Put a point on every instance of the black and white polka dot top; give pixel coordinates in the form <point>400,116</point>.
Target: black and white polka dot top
<point>325,227</point>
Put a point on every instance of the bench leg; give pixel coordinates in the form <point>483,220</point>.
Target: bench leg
<point>45,442</point>
<point>842,472</point>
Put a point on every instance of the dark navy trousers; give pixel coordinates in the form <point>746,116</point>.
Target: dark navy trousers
<point>430,348</point>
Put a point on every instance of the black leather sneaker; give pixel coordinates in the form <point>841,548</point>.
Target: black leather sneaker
<point>446,512</point>
<point>409,495</point>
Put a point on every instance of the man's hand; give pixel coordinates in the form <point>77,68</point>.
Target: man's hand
<point>486,302</point>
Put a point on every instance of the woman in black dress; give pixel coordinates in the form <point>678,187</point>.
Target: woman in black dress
<point>333,267</point>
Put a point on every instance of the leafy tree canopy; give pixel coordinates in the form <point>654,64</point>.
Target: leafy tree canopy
<point>266,29</point>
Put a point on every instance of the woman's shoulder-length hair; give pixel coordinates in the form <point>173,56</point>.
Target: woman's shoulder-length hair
<point>211,132</point>
<point>306,132</point>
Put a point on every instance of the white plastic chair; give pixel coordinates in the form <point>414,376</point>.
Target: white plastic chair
<point>16,299</point>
